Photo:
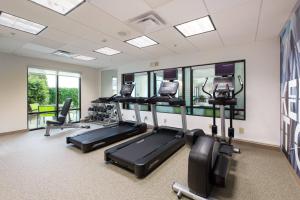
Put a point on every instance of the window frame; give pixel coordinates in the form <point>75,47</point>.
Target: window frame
<point>191,107</point>
<point>57,110</point>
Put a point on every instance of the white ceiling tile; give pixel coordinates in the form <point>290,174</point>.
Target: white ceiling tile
<point>157,3</point>
<point>236,27</point>
<point>173,40</point>
<point>15,34</point>
<point>214,6</point>
<point>55,44</point>
<point>273,16</point>
<point>9,45</point>
<point>206,41</point>
<point>158,51</point>
<point>180,11</point>
<point>123,10</point>
<point>38,48</point>
<point>101,21</point>
<point>57,35</point>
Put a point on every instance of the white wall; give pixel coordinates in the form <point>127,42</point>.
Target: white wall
<point>13,88</point>
<point>262,88</point>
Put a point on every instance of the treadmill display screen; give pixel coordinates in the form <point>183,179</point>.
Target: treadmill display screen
<point>224,69</point>
<point>170,74</point>
<point>129,78</point>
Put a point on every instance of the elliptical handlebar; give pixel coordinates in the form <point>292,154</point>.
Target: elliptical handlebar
<point>203,86</point>
<point>242,86</point>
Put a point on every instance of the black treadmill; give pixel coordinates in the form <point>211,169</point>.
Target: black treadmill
<point>145,153</point>
<point>97,138</point>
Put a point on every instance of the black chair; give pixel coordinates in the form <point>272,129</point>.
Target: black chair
<point>61,123</point>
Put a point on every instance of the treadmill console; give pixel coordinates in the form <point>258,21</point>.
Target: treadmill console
<point>168,88</point>
<point>127,89</point>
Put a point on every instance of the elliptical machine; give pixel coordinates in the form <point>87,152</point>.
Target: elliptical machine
<point>210,156</point>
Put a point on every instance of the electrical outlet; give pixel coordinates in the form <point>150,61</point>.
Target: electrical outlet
<point>165,121</point>
<point>241,130</point>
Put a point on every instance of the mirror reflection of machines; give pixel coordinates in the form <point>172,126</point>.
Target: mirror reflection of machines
<point>101,137</point>
<point>145,153</point>
<point>210,156</point>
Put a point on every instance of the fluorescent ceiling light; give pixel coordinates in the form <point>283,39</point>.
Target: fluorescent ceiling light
<point>85,58</point>
<point>197,26</point>
<point>107,51</point>
<point>141,42</point>
<point>61,6</point>
<point>20,23</point>
<point>73,55</point>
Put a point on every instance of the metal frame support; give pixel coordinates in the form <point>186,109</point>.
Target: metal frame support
<point>154,115</point>
<point>185,191</point>
<point>119,111</point>
<point>183,118</point>
<point>137,114</point>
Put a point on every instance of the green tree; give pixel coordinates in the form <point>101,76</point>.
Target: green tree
<point>38,91</point>
<point>69,93</point>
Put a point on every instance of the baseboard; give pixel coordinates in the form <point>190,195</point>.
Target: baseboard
<point>257,144</point>
<point>14,132</point>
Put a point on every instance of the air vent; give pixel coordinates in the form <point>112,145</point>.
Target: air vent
<point>148,22</point>
<point>64,54</point>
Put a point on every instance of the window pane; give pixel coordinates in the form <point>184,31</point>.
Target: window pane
<point>41,90</point>
<point>140,89</point>
<point>68,87</point>
<point>114,85</point>
<point>164,107</point>
<point>200,99</point>
<point>43,93</point>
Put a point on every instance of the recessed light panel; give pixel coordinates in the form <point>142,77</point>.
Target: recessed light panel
<point>61,6</point>
<point>20,24</point>
<point>107,51</point>
<point>197,26</point>
<point>85,58</point>
<point>141,42</point>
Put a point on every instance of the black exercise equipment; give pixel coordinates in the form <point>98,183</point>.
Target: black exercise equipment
<point>210,156</point>
<point>145,153</point>
<point>101,137</point>
<point>61,123</point>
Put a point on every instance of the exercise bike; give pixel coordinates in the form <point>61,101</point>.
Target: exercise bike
<point>210,156</point>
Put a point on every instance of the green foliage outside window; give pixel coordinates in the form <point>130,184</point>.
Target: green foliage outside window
<point>38,91</point>
<point>40,94</point>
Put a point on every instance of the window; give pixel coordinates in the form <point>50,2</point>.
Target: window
<point>114,85</point>
<point>191,79</point>
<point>140,88</point>
<point>199,100</point>
<point>46,93</point>
<point>157,78</point>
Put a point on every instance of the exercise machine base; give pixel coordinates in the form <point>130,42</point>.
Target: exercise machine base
<point>182,190</point>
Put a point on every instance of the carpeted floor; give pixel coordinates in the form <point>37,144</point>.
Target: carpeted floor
<point>34,167</point>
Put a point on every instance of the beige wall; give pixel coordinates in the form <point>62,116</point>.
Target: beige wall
<point>262,88</point>
<point>13,88</point>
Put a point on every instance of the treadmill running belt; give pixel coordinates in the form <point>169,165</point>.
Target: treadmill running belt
<point>102,133</point>
<point>143,147</point>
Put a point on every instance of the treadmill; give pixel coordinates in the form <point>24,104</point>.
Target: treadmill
<point>145,153</point>
<point>97,138</point>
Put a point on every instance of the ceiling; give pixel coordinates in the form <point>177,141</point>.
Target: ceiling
<point>98,23</point>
